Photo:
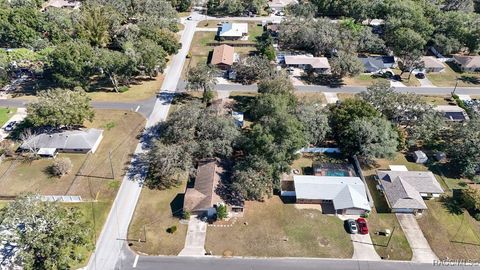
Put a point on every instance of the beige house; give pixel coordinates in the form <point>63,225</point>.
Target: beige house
<point>317,64</point>
<point>432,64</point>
<point>223,56</point>
<point>467,62</point>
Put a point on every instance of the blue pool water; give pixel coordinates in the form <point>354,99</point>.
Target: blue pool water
<point>337,173</point>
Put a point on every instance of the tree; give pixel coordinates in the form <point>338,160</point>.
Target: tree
<point>408,45</point>
<point>222,211</point>
<point>315,122</point>
<point>369,138</point>
<point>464,148</point>
<point>151,57</point>
<point>346,64</point>
<point>471,199</point>
<point>201,77</point>
<point>60,107</point>
<point>95,25</point>
<point>349,110</point>
<point>252,178</point>
<point>48,235</point>
<point>265,46</point>
<point>302,9</point>
<point>253,68</point>
<point>163,37</point>
<point>72,64</point>
<point>61,167</point>
<point>116,66</point>
<point>165,164</point>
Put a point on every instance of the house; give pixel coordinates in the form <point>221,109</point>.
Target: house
<point>467,63</point>
<point>64,4</point>
<point>279,5</point>
<point>405,190</point>
<point>223,57</point>
<point>232,31</point>
<point>70,141</point>
<point>317,64</point>
<point>202,199</point>
<point>344,195</point>
<point>453,113</point>
<point>374,64</point>
<point>432,64</point>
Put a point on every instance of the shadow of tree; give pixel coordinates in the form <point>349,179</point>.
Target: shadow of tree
<point>452,205</point>
<point>329,80</point>
<point>470,79</point>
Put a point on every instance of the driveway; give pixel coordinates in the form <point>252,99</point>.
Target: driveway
<point>18,116</point>
<point>425,82</point>
<point>422,252</point>
<point>195,240</point>
<point>331,97</point>
<point>363,248</point>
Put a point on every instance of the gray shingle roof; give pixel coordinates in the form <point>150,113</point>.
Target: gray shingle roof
<point>403,188</point>
<point>345,192</point>
<point>71,139</point>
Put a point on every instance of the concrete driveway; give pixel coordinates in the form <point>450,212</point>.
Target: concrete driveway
<point>18,116</point>
<point>195,240</point>
<point>363,248</point>
<point>422,252</point>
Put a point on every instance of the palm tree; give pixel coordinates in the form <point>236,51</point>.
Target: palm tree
<point>95,26</point>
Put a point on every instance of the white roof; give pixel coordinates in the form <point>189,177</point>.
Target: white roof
<point>314,62</point>
<point>47,151</point>
<point>345,192</point>
<point>233,29</point>
<point>398,168</point>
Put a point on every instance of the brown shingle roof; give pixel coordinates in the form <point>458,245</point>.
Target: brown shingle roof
<point>223,54</point>
<point>468,61</point>
<point>202,195</point>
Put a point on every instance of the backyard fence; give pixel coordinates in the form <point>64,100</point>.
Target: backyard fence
<point>233,44</point>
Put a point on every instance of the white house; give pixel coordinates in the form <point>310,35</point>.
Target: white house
<point>230,30</point>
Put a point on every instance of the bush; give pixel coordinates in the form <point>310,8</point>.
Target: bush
<point>172,229</point>
<point>123,89</point>
<point>186,215</point>
<point>477,216</point>
<point>61,167</point>
<point>222,211</point>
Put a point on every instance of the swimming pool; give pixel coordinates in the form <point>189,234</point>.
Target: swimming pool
<point>337,173</point>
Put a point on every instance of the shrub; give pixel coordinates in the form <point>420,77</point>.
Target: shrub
<point>186,215</point>
<point>61,167</point>
<point>477,216</point>
<point>123,89</point>
<point>222,211</point>
<point>172,229</point>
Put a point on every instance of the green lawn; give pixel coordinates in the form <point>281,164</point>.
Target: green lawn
<point>275,229</point>
<point>5,114</point>
<point>448,78</point>
<point>454,236</point>
<point>153,215</point>
<point>362,80</point>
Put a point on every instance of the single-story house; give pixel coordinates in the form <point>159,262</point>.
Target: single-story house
<point>70,141</point>
<point>223,56</point>
<point>432,64</point>
<point>467,62</point>
<point>279,5</point>
<point>318,64</point>
<point>374,64</point>
<point>405,190</point>
<point>346,195</point>
<point>453,113</point>
<point>230,30</point>
<point>202,198</point>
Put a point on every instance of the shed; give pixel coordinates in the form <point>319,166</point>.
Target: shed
<point>420,157</point>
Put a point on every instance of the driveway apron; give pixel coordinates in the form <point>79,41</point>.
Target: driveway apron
<point>421,249</point>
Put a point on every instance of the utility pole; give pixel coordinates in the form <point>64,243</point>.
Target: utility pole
<point>455,88</point>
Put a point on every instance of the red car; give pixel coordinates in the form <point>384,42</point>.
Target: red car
<point>362,226</point>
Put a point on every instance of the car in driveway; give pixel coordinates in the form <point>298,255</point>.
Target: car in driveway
<point>352,226</point>
<point>397,78</point>
<point>10,126</point>
<point>420,76</point>
<point>362,226</point>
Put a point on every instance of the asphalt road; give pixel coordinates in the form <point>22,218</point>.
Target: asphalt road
<point>215,263</point>
<point>108,251</point>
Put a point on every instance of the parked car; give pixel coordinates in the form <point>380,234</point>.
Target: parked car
<point>362,226</point>
<point>397,78</point>
<point>352,226</point>
<point>10,126</point>
<point>420,75</point>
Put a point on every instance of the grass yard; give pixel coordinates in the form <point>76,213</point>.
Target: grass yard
<point>5,114</point>
<point>93,181</point>
<point>453,236</point>
<point>449,77</point>
<point>153,215</point>
<point>435,100</point>
<point>361,80</point>
<point>412,82</point>
<point>343,96</point>
<point>141,91</point>
<point>275,229</point>
<point>316,98</point>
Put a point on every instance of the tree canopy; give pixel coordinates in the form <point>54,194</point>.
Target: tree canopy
<point>46,235</point>
<point>60,108</point>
